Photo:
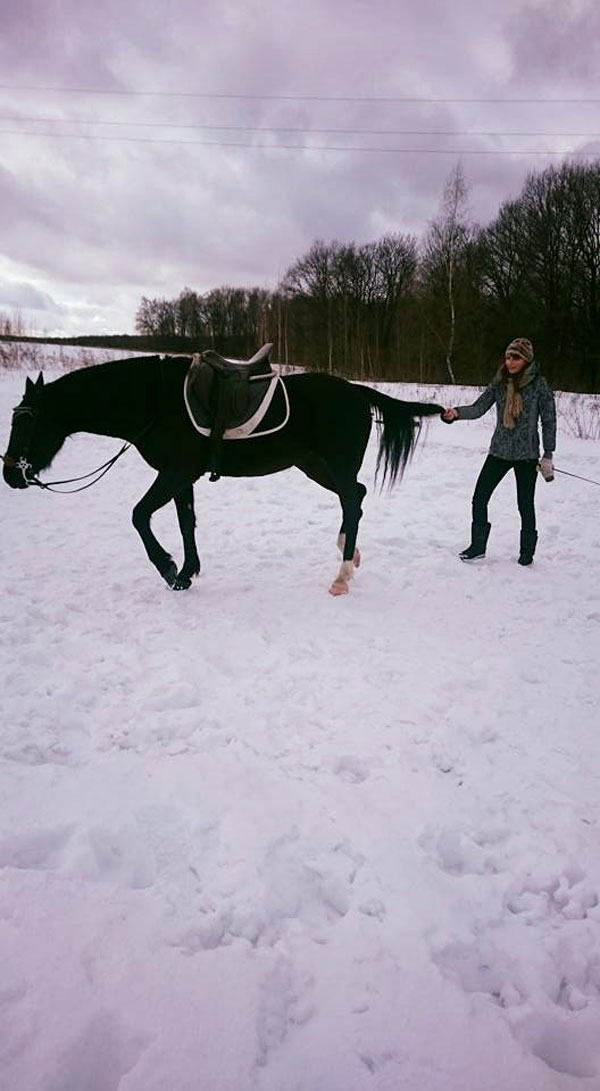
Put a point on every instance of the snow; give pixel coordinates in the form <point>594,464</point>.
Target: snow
<point>255,838</point>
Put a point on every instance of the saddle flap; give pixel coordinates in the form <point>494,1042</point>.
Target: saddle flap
<point>264,405</point>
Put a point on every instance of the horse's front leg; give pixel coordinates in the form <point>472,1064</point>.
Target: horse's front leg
<point>186,516</point>
<point>165,488</point>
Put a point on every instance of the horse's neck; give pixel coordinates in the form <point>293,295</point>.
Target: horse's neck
<point>106,399</point>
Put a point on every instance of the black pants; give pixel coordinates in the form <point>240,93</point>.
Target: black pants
<point>492,472</point>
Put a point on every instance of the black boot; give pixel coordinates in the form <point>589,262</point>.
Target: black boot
<point>480,533</point>
<point>527,546</point>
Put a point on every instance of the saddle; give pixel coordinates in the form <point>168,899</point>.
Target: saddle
<point>259,364</point>
<point>228,399</point>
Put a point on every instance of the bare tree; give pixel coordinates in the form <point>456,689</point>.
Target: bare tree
<point>444,245</point>
<point>311,281</point>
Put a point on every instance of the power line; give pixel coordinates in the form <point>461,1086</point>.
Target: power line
<point>288,128</point>
<point>295,98</point>
<point>296,147</point>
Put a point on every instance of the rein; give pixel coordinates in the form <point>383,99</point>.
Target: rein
<point>100,471</point>
<point>23,465</point>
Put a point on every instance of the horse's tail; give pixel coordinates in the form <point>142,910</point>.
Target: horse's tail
<point>399,428</point>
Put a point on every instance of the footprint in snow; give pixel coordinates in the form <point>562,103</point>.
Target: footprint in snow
<point>285,1002</point>
<point>35,851</point>
<point>351,769</point>
<point>100,1056</point>
<point>460,853</point>
<point>549,981</point>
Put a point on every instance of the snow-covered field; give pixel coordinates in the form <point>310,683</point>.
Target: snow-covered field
<point>255,838</point>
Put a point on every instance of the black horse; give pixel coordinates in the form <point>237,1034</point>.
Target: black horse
<point>141,401</point>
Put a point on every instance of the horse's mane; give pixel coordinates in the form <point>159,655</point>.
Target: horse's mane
<point>110,371</point>
<point>129,378</point>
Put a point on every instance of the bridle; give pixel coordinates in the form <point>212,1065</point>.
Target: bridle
<point>21,463</point>
<point>24,465</point>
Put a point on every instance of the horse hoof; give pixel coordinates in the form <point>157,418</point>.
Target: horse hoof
<point>338,587</point>
<point>170,574</point>
<point>181,583</point>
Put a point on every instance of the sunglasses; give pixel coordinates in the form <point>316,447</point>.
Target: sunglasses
<point>513,356</point>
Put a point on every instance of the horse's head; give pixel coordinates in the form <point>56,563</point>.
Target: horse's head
<point>34,438</point>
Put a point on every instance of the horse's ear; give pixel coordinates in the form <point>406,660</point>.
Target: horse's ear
<point>29,386</point>
<point>40,379</point>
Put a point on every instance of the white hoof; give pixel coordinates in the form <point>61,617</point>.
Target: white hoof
<point>338,587</point>
<point>342,580</point>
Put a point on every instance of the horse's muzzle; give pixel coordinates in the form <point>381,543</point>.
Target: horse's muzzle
<point>14,473</point>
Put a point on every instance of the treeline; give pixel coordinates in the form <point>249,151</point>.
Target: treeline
<point>9,334</point>
<point>433,310</point>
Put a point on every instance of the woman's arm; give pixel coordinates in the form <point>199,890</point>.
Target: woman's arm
<point>548,418</point>
<point>480,406</point>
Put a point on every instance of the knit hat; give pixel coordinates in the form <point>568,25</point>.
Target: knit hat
<point>523,347</point>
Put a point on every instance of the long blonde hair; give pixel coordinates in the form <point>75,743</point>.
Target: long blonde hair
<point>513,385</point>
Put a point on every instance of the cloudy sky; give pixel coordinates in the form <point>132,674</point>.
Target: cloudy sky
<point>148,147</point>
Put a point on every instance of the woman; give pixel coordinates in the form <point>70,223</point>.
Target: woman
<point>522,397</point>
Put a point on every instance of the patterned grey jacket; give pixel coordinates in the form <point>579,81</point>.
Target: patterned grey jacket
<point>523,440</point>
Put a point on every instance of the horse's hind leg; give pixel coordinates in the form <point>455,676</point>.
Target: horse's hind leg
<point>186,517</point>
<point>351,493</point>
<point>165,488</point>
<point>341,542</point>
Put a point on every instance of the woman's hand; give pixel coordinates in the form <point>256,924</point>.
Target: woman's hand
<point>546,467</point>
<point>449,415</point>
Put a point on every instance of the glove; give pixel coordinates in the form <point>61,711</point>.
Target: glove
<point>546,468</point>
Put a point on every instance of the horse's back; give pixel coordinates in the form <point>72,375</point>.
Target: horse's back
<point>330,418</point>
<point>327,397</point>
